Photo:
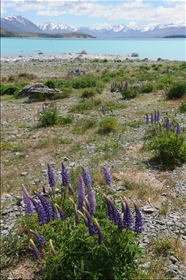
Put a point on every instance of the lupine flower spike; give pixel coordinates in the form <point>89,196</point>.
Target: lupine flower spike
<point>108,176</point>
<point>81,193</point>
<point>35,249</point>
<point>113,213</point>
<point>40,238</point>
<point>138,220</point>
<point>128,218</point>
<point>77,220</point>
<point>178,129</point>
<point>100,235</point>
<point>47,206</point>
<point>64,175</point>
<point>58,212</point>
<point>42,215</point>
<point>51,176</point>
<point>89,222</point>
<point>52,247</point>
<point>28,205</point>
<point>86,177</point>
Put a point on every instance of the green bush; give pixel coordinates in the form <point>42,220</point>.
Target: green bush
<point>9,89</point>
<point>109,124</point>
<point>49,117</point>
<point>88,93</point>
<point>182,107</point>
<point>176,90</point>
<point>168,148</point>
<point>84,82</point>
<point>50,84</point>
<point>129,93</point>
<point>146,88</point>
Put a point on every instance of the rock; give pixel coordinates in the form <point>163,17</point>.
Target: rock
<point>33,92</point>
<point>134,54</point>
<point>173,259</point>
<point>148,210</point>
<point>75,73</point>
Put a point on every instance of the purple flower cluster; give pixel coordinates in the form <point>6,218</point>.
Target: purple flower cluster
<point>107,175</point>
<point>81,193</point>
<point>153,118</point>
<point>64,175</point>
<point>40,238</point>
<point>51,176</point>
<point>28,205</point>
<point>127,220</point>
<point>86,177</point>
<point>35,249</point>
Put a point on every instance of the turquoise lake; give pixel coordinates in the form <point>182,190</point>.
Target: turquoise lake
<point>152,48</point>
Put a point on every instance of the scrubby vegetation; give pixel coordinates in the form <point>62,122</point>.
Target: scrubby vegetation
<point>126,115</point>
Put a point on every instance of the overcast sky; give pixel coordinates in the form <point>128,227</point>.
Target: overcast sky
<point>93,13</point>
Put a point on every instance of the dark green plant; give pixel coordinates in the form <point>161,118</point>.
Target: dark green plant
<point>88,93</point>
<point>146,88</point>
<point>167,146</point>
<point>84,82</point>
<point>129,93</point>
<point>176,90</point>
<point>49,117</point>
<point>50,83</point>
<point>9,89</point>
<point>109,124</point>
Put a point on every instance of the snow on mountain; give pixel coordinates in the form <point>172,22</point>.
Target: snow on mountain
<point>56,27</point>
<point>18,23</point>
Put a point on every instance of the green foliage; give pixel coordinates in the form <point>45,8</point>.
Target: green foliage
<point>88,93</point>
<point>129,93</point>
<point>146,88</point>
<point>51,117</point>
<point>85,105</point>
<point>9,89</point>
<point>176,90</point>
<point>84,82</point>
<point>78,255</point>
<point>82,125</point>
<point>50,84</point>
<point>168,148</point>
<point>182,107</point>
<point>109,124</point>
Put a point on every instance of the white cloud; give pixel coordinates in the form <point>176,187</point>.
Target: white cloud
<point>138,12</point>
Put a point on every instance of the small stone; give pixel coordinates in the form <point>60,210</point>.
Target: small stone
<point>173,259</point>
<point>24,173</point>
<point>148,210</point>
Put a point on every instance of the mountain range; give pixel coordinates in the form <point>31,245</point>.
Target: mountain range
<point>21,24</point>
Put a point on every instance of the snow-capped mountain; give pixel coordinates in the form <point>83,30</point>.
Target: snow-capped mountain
<point>20,24</point>
<point>51,27</point>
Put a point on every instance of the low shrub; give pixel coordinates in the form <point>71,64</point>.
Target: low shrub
<point>166,141</point>
<point>146,88</point>
<point>176,90</point>
<point>109,124</point>
<point>88,93</point>
<point>84,82</point>
<point>9,89</point>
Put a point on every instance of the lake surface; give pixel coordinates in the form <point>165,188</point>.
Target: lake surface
<point>153,48</point>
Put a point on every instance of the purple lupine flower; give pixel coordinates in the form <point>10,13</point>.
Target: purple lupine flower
<point>128,218</point>
<point>100,235</point>
<point>40,238</point>
<point>89,223</point>
<point>147,118</point>
<point>168,124</point>
<point>178,129</point>
<point>157,116</point>
<point>42,215</point>
<point>35,249</point>
<point>81,193</point>
<point>113,213</point>
<point>108,176</point>
<point>138,220</point>
<point>64,175</point>
<point>92,201</point>
<point>28,205</point>
<point>59,213</point>
<point>51,176</point>
<point>86,177</point>
<point>47,206</point>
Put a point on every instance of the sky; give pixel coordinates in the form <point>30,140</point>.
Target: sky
<point>98,13</point>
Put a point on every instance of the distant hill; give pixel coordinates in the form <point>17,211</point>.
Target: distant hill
<point>21,24</point>
<point>175,36</point>
<point>8,33</point>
